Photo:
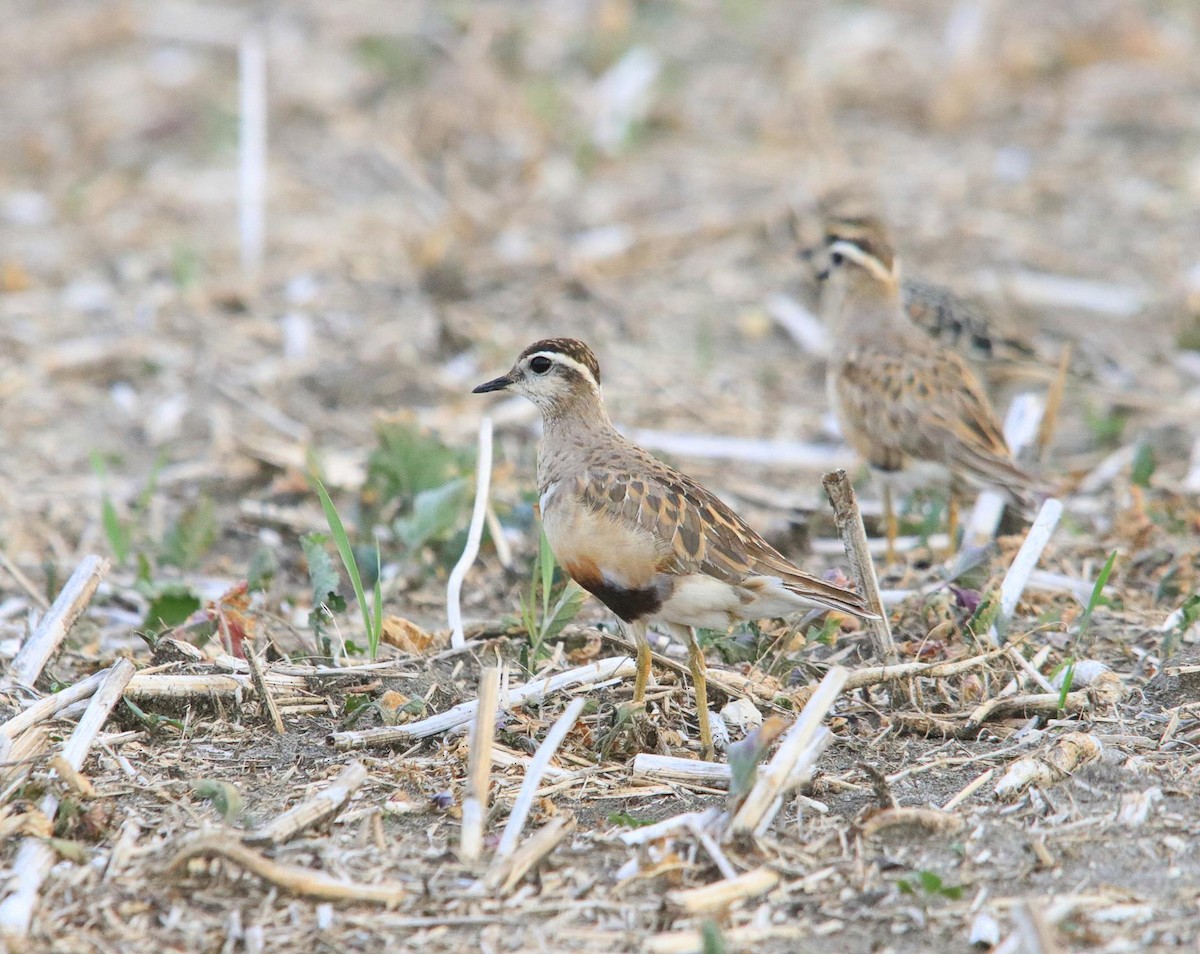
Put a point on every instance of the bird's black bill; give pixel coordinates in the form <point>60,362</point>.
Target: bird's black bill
<point>496,384</point>
<point>823,274</point>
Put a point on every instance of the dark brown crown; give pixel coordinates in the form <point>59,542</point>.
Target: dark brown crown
<point>867,232</point>
<point>572,348</point>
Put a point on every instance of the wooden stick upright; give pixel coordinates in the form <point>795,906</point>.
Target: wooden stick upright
<point>858,552</point>
<point>479,764</point>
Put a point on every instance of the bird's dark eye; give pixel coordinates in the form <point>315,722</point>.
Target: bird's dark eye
<point>540,365</point>
<point>837,258</point>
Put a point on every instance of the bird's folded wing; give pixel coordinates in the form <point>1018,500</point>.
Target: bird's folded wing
<point>699,533</point>
<point>930,407</point>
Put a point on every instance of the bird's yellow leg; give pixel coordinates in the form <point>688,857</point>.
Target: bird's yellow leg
<point>952,520</point>
<point>891,526</point>
<point>700,685</point>
<point>643,662</point>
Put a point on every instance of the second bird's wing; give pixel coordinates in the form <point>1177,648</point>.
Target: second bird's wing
<point>929,407</point>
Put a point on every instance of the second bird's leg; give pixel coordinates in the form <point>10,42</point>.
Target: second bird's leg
<point>700,685</point>
<point>952,518</point>
<point>891,527</point>
<point>638,631</point>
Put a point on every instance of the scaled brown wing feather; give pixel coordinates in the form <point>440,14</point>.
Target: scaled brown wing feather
<point>704,535</point>
<point>959,322</point>
<point>929,407</point>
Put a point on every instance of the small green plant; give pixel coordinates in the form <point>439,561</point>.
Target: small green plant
<point>986,614</point>
<point>745,757</point>
<point>1084,622</point>
<point>1144,465</point>
<point>152,720</point>
<point>408,460</point>
<point>264,564</point>
<point>625,820</point>
<point>399,61</point>
<point>418,486</point>
<point>1106,426</point>
<point>224,797</point>
<point>739,645</point>
<point>353,702</point>
<point>542,614</point>
<point>825,634</point>
<point>930,885</point>
<point>120,539</point>
<point>323,579</point>
<point>711,939</point>
<point>122,534</point>
<point>923,514</point>
<point>435,514</point>
<point>372,615</point>
<point>171,604</point>
<point>191,536</point>
<point>184,543</point>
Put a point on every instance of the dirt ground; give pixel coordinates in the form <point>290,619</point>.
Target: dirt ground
<point>447,182</point>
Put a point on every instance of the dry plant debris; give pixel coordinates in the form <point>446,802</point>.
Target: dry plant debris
<point>439,185</point>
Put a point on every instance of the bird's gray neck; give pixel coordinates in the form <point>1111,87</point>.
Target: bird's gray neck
<point>866,309</point>
<point>570,438</point>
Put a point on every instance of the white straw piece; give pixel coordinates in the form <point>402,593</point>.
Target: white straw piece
<point>1061,583</point>
<point>831,546</point>
<point>71,601</point>
<point>1023,565</point>
<point>1191,483</point>
<point>483,480</point>
<point>1042,289</point>
<point>35,857</point>
<point>252,149</point>
<point>533,777</point>
<point>821,457</point>
<point>671,768</point>
<point>799,747</point>
<point>802,326</point>
<point>592,674</point>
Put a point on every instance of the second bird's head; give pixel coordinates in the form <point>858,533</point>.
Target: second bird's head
<point>856,250</point>
<point>553,373</point>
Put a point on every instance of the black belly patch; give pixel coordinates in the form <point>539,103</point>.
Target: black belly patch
<point>629,604</point>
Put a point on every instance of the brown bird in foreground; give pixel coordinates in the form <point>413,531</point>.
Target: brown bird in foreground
<point>650,543</point>
<point>905,402</point>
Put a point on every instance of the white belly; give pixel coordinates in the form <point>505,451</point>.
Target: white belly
<point>698,600</point>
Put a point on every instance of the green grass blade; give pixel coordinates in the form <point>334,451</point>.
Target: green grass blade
<point>1067,681</point>
<point>1084,622</point>
<point>340,540</point>
<point>566,609</point>
<point>376,631</point>
<point>116,532</point>
<point>1097,590</point>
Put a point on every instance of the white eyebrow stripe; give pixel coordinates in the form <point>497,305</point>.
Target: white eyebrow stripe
<point>869,262</point>
<point>570,363</point>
